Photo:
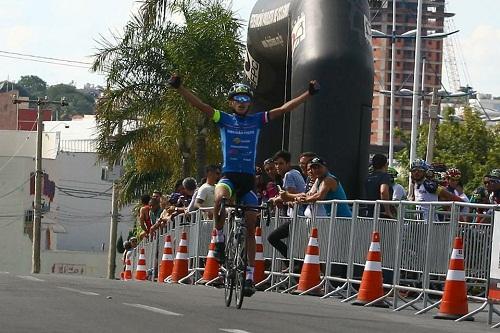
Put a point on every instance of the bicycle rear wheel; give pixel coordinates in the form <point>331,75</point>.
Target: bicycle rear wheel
<point>241,267</point>
<point>229,268</point>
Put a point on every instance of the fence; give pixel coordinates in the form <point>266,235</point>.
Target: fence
<point>416,245</point>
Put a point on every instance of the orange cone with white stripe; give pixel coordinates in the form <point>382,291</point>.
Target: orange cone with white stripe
<point>140,272</point>
<point>310,273</point>
<point>181,262</point>
<point>127,275</point>
<point>212,265</point>
<point>167,261</point>
<point>371,283</point>
<point>454,302</point>
<point>258,274</point>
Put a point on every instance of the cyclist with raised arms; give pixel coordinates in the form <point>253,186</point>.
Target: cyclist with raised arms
<point>239,134</point>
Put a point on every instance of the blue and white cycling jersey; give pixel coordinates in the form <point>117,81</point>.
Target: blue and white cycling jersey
<point>239,137</point>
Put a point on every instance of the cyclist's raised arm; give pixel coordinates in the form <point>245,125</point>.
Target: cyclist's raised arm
<point>175,82</point>
<point>292,104</point>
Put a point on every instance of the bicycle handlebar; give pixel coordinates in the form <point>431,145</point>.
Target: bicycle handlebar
<point>264,207</point>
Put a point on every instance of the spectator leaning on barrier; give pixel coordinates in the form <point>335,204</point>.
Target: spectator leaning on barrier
<point>205,196</point>
<point>494,186</point>
<point>144,219</point>
<point>269,181</point>
<point>293,182</point>
<point>425,189</point>
<point>304,160</point>
<point>378,186</point>
<point>480,196</point>
<point>398,191</point>
<point>326,187</point>
<point>455,186</point>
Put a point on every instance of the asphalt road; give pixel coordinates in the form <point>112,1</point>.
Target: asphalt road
<point>59,303</point>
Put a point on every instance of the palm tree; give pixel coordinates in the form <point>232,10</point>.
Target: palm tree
<point>138,116</point>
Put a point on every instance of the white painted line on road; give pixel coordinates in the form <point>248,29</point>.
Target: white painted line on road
<point>31,278</point>
<point>4,273</point>
<point>89,293</point>
<point>153,309</point>
<point>232,330</point>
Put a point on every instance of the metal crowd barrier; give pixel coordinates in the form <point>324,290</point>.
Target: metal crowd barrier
<point>415,244</point>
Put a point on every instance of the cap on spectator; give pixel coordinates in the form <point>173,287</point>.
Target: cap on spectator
<point>133,239</point>
<point>189,183</point>
<point>378,161</point>
<point>317,161</point>
<point>495,173</point>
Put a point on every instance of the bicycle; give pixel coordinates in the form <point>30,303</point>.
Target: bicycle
<point>235,262</point>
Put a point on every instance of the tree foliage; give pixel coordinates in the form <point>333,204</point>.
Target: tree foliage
<point>36,87</point>
<point>139,117</point>
<point>79,101</point>
<point>468,145</point>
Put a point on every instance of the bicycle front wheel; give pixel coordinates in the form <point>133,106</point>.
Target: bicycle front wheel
<point>229,270</point>
<point>241,267</point>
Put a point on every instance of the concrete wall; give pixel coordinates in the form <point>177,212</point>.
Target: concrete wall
<point>8,111</point>
<point>78,263</point>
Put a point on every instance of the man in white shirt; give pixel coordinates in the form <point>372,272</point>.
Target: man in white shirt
<point>205,196</point>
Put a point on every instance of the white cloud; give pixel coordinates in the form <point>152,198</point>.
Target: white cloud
<point>480,50</point>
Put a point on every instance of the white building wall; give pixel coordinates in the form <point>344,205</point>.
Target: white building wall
<point>82,204</point>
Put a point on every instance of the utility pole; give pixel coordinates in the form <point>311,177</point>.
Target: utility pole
<point>393,85</point>
<point>416,90</point>
<point>433,121</point>
<point>37,218</point>
<point>113,227</point>
<point>422,96</point>
<point>113,231</point>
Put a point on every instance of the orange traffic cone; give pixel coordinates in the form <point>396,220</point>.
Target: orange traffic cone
<point>140,272</point>
<point>309,275</point>
<point>454,302</point>
<point>127,275</point>
<point>371,283</point>
<point>181,262</point>
<point>258,274</point>
<point>212,265</point>
<point>167,261</point>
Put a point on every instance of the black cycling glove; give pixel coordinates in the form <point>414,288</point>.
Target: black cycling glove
<point>314,87</point>
<point>174,81</point>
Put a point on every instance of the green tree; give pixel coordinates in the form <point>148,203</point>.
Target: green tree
<point>36,87</point>
<point>138,117</point>
<point>468,145</point>
<point>79,103</point>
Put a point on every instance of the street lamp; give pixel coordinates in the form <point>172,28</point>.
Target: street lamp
<point>37,219</point>
<point>412,34</point>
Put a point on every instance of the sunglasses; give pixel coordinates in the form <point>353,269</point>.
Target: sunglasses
<point>242,99</point>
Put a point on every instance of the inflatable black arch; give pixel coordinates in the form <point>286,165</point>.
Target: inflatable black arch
<point>293,41</point>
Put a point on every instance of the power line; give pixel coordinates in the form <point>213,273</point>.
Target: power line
<point>14,190</point>
<point>48,58</point>
<point>20,146</point>
<point>42,61</point>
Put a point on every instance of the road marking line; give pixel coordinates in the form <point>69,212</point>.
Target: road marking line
<point>232,330</point>
<point>31,278</point>
<point>89,293</point>
<point>153,309</point>
<point>4,273</point>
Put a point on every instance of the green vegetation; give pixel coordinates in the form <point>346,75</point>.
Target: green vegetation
<point>468,145</point>
<point>80,101</point>
<point>139,118</point>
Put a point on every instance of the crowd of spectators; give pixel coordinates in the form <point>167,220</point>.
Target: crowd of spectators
<point>282,183</point>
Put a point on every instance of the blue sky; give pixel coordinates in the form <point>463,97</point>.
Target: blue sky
<point>69,29</point>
